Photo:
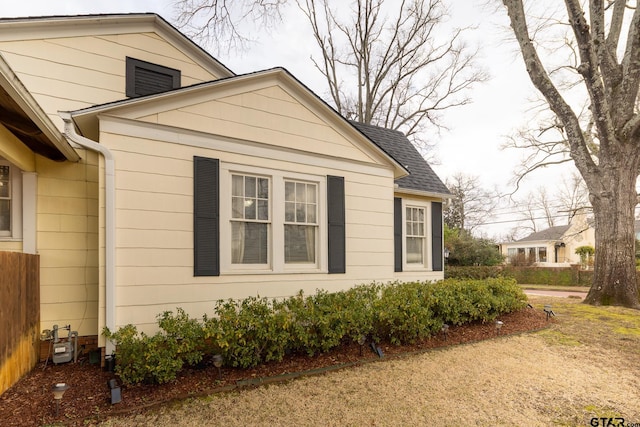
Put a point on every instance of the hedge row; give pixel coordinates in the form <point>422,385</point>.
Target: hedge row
<point>257,330</point>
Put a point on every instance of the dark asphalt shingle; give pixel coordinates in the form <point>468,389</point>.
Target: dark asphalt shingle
<point>552,233</point>
<point>397,145</point>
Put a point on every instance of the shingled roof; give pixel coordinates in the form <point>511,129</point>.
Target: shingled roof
<point>552,233</point>
<point>395,143</point>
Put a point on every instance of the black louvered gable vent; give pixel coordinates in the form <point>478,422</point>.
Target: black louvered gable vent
<point>145,78</point>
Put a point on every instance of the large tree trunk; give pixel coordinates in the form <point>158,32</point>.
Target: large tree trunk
<point>614,278</point>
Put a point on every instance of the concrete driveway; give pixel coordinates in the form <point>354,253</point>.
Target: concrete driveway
<point>565,294</point>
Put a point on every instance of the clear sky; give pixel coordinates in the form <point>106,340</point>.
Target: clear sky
<point>471,146</point>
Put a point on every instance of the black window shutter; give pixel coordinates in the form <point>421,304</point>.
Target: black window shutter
<point>206,221</point>
<point>336,220</point>
<point>436,235</point>
<point>397,234</point>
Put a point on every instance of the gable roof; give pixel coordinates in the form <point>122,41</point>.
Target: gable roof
<point>421,177</point>
<point>86,119</point>
<point>552,233</point>
<point>38,27</point>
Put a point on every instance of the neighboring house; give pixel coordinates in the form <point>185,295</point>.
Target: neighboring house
<point>148,176</point>
<point>553,247</point>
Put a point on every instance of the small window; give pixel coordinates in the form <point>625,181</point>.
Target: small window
<point>542,254</point>
<point>145,78</point>
<point>416,235</point>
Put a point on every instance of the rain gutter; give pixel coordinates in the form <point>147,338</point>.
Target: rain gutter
<point>110,229</point>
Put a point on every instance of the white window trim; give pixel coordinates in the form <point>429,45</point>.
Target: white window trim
<point>15,233</point>
<point>276,264</point>
<point>427,250</point>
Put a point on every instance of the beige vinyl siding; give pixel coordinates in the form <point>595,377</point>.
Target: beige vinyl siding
<point>76,72</point>
<point>67,241</point>
<point>10,246</point>
<point>154,255</point>
<point>270,116</point>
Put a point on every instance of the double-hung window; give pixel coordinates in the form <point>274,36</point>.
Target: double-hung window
<point>272,221</point>
<point>416,235</point>
<point>5,200</point>
<point>250,219</point>
<point>300,222</point>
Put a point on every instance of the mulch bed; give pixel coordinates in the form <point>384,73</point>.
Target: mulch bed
<point>30,401</point>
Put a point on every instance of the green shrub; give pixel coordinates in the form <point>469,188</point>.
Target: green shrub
<point>463,301</point>
<point>259,330</point>
<point>143,358</point>
<point>474,272</point>
<point>249,332</point>
<point>404,313</point>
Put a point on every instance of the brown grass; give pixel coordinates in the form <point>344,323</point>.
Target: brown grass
<point>584,366</point>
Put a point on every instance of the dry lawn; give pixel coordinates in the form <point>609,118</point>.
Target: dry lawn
<point>585,365</point>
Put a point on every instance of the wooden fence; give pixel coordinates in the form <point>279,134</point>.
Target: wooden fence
<point>19,316</point>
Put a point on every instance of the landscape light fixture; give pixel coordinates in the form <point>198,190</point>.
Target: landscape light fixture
<point>114,388</point>
<point>361,340</point>
<point>547,309</point>
<point>445,330</point>
<point>499,324</point>
<point>58,390</point>
<point>217,362</point>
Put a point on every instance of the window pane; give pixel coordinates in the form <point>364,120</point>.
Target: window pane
<point>420,229</point>
<point>311,214</point>
<point>249,243</point>
<point>300,212</point>
<point>290,191</point>
<point>301,192</point>
<point>263,210</point>
<point>311,193</point>
<point>5,181</point>
<point>4,172</point>
<point>237,185</point>
<point>249,186</point>
<point>414,250</point>
<point>299,244</point>
<point>263,188</point>
<point>237,207</point>
<point>249,209</point>
<point>290,212</point>
<point>5,215</point>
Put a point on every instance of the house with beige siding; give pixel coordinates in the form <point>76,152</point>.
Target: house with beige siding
<point>148,176</point>
<point>552,247</point>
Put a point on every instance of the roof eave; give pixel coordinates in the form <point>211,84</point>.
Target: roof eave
<point>414,192</point>
<point>14,87</point>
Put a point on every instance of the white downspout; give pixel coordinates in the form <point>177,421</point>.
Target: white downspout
<point>109,217</point>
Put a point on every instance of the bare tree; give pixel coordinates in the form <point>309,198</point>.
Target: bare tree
<point>392,65</point>
<point>573,197</point>
<point>471,205</point>
<point>603,141</point>
<point>216,23</point>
